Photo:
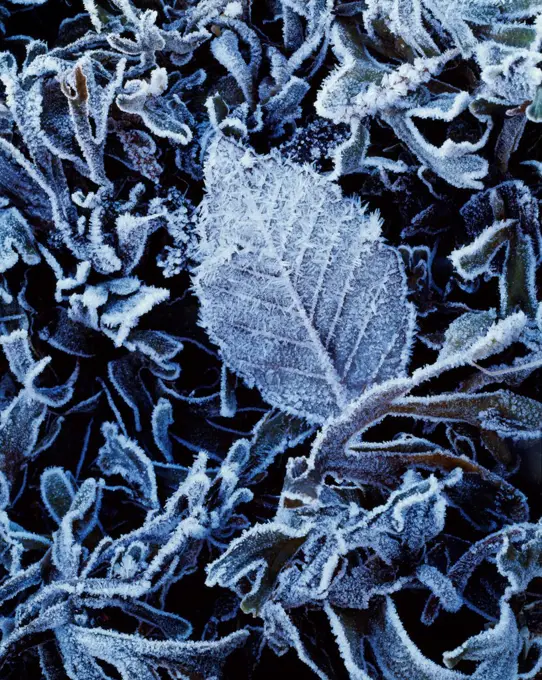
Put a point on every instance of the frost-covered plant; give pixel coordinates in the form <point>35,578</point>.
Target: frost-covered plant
<point>349,561</point>
<point>83,573</point>
<point>271,260</point>
<point>271,339</point>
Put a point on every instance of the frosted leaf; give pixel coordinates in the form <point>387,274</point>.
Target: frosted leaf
<point>274,434</point>
<point>497,649</point>
<point>282,634</point>
<point>16,240</point>
<point>421,24</point>
<point>517,551</point>
<point>498,337</point>
<point>57,492</point>
<point>133,232</point>
<point>164,115</point>
<point>520,559</point>
<point>455,162</point>
<point>69,336</point>
<point>122,456</point>
<point>124,375</point>
<point>511,200</point>
<point>173,626</point>
<point>322,556</point>
<point>513,216</point>
<point>441,586</point>
<point>206,11</point>
<point>78,521</point>
<point>349,641</point>
<point>517,286</point>
<point>162,418</point>
<point>413,515</point>
<point>507,414</point>
<point>16,347</point>
<point>147,40</point>
<point>399,658</point>
<point>115,307</point>
<point>136,656</point>
<point>472,337</point>
<point>509,76</point>
<point>89,102</point>
<point>20,424</point>
<point>351,156</point>
<point>225,49</point>
<point>475,258</point>
<point>183,46</point>
<point>252,554</point>
<point>296,558</point>
<point>465,331</point>
<point>359,584</point>
<point>309,347</point>
<point>383,464</point>
<point>362,87</point>
<point>284,107</point>
<point>17,350</point>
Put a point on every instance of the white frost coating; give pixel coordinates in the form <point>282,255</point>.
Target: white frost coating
<point>497,649</point>
<point>122,456</point>
<point>16,347</point>
<point>226,51</point>
<point>509,75</point>
<point>500,336</point>
<point>133,232</point>
<point>157,110</point>
<point>16,240</point>
<point>20,424</point>
<point>56,492</point>
<point>362,86</point>
<point>420,22</point>
<point>115,307</point>
<point>349,644</point>
<point>348,92</point>
<point>280,629</point>
<point>521,561</point>
<point>475,258</point>
<point>465,331</point>
<point>138,657</point>
<point>246,554</point>
<point>441,586</point>
<point>398,657</point>
<point>233,10</point>
<point>293,281</point>
<point>161,419</point>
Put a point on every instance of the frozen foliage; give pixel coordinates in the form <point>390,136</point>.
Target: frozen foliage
<point>80,580</point>
<point>270,339</point>
<point>275,240</point>
<point>363,86</point>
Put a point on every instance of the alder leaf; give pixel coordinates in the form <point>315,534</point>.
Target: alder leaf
<point>296,286</point>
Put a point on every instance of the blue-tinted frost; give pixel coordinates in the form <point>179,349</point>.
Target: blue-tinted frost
<point>150,153</point>
<point>270,261</point>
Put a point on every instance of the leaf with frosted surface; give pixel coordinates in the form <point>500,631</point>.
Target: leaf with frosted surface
<point>294,281</point>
